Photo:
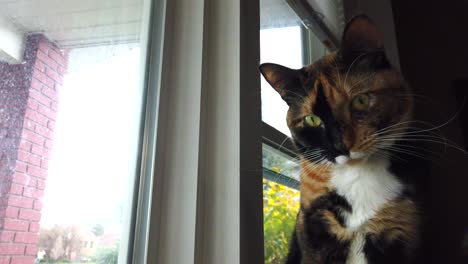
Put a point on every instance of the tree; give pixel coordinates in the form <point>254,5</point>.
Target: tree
<point>98,230</point>
<point>59,242</point>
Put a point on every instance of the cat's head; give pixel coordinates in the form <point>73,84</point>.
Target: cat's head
<point>350,104</point>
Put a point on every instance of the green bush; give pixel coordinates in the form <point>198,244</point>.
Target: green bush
<point>107,255</point>
<point>280,207</point>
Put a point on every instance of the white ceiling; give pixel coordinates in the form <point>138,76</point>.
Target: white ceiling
<point>77,23</point>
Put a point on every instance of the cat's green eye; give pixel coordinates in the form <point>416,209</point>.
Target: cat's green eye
<point>312,120</point>
<point>361,102</point>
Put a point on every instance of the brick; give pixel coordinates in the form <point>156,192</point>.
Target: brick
<point>29,125</point>
<point>11,212</point>
<point>58,57</point>
<point>20,178</point>
<point>5,259</point>
<point>54,75</point>
<point>49,82</point>
<point>44,131</point>
<point>26,237</point>
<point>47,112</point>
<point>50,92</point>
<point>33,137</point>
<point>33,193</point>
<point>31,116</point>
<point>39,66</point>
<point>7,236</point>
<point>16,189</point>
<point>18,201</point>
<point>32,182</point>
<point>33,104</point>
<point>29,158</point>
<point>48,143</point>
<point>34,227</point>
<point>22,260</point>
<point>44,47</point>
<point>36,85</point>
<point>11,249</point>
<point>55,48</point>
<point>15,225</point>
<point>41,184</point>
<point>44,100</point>
<point>26,146</point>
<point>31,250</point>
<point>51,123</point>
<point>49,62</point>
<point>37,150</point>
<point>54,106</point>
<point>38,205</point>
<point>39,76</point>
<point>36,172</point>
<point>61,70</point>
<point>45,164</point>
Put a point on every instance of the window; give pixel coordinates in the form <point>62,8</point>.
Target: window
<point>293,36</point>
<point>134,135</point>
<point>72,97</point>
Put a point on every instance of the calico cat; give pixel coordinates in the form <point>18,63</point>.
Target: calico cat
<point>346,113</point>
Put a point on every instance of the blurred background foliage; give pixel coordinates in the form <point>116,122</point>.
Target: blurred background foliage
<point>280,207</point>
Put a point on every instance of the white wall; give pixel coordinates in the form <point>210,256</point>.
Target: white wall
<point>11,42</point>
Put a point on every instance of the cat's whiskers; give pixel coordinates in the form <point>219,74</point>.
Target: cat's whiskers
<point>282,143</point>
<point>445,143</point>
<point>405,151</point>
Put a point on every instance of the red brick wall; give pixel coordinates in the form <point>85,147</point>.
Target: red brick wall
<point>28,105</point>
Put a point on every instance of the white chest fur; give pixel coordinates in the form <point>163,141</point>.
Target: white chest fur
<point>367,187</point>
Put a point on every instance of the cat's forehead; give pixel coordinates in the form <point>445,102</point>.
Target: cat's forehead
<point>332,74</point>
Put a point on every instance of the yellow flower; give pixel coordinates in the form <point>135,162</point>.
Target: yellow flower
<point>275,169</point>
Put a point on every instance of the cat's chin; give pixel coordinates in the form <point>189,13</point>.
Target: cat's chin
<point>342,159</point>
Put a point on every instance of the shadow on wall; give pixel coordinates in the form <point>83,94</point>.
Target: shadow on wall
<point>432,43</point>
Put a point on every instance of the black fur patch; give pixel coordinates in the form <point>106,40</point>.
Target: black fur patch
<point>380,251</point>
<point>294,256</point>
<point>319,239</point>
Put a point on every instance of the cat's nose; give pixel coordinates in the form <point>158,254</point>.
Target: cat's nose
<point>340,147</point>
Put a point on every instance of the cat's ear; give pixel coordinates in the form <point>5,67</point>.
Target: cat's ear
<point>361,38</point>
<point>286,81</point>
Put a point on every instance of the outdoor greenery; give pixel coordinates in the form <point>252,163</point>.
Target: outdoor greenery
<point>280,207</point>
<point>107,255</point>
<point>62,244</point>
<point>59,242</point>
<point>98,230</point>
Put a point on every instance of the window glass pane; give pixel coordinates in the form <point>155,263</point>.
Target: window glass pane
<point>278,162</point>
<point>284,41</point>
<point>281,45</point>
<point>71,95</point>
<point>280,207</point>
<point>280,202</point>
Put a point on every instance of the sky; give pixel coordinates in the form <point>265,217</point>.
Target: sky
<point>282,46</point>
<point>93,160</point>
